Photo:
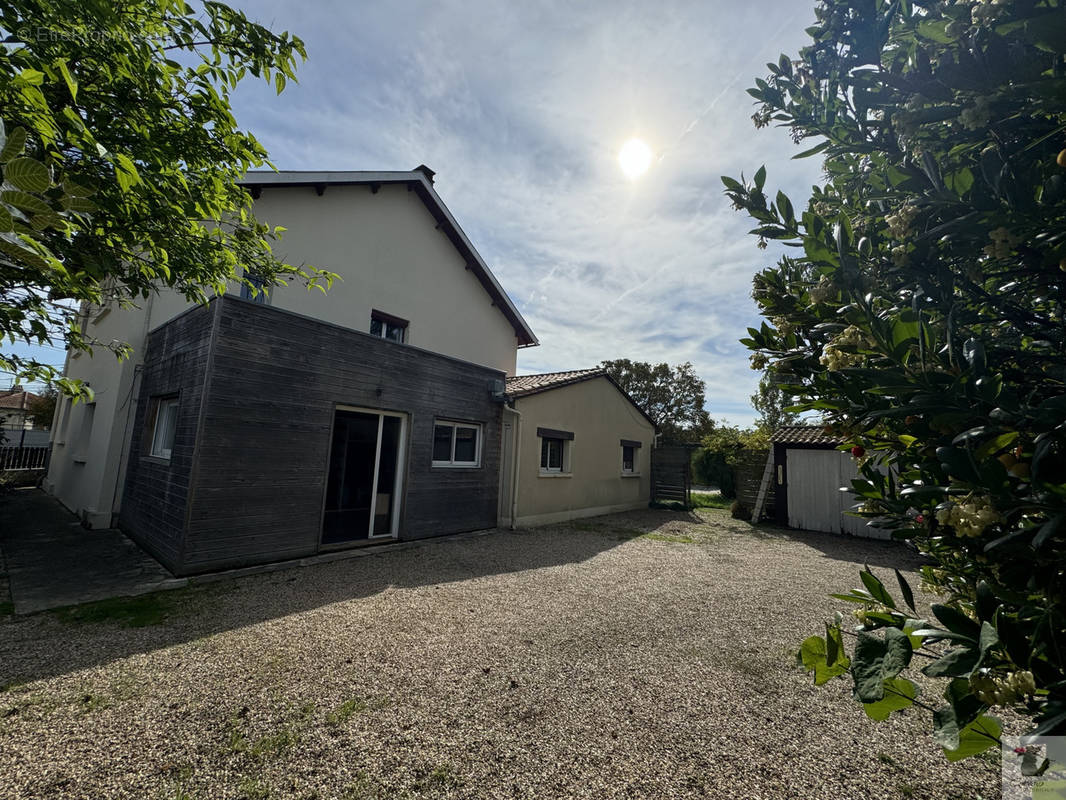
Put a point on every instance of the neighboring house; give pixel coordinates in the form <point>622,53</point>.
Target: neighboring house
<point>17,427</point>
<point>14,409</point>
<point>255,429</point>
<point>583,448</point>
<point>810,472</point>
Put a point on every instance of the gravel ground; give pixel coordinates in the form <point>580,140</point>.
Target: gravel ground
<point>642,655</point>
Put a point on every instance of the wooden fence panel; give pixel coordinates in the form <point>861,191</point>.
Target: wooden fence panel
<point>671,474</point>
<point>748,474</point>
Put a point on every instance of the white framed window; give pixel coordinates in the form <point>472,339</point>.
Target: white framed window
<point>551,454</point>
<point>388,327</point>
<point>456,444</point>
<point>555,451</point>
<point>630,453</point>
<point>164,426</point>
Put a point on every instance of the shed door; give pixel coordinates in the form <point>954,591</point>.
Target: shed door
<point>815,502</point>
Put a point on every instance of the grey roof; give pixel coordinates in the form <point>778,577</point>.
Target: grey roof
<point>420,180</point>
<point>804,434</point>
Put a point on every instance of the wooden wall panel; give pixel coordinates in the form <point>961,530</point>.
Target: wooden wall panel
<point>155,499</point>
<point>275,381</point>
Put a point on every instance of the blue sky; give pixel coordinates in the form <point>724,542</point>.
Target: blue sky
<point>521,108</point>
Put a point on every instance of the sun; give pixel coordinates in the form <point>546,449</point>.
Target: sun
<point>635,157</point>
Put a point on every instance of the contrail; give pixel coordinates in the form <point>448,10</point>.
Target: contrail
<point>703,115</point>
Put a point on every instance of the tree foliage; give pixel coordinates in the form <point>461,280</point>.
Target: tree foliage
<point>772,405</point>
<point>41,408</point>
<point>923,315</point>
<point>672,396</point>
<point>122,160</point>
<point>715,462</point>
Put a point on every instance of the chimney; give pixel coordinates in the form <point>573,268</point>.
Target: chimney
<point>425,171</point>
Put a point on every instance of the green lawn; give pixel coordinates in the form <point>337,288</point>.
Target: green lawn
<point>709,500</point>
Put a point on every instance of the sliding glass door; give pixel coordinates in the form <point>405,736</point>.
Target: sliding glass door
<point>365,476</point>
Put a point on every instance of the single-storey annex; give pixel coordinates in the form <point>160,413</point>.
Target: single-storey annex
<point>581,447</point>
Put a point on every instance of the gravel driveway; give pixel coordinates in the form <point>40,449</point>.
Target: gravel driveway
<point>642,655</point>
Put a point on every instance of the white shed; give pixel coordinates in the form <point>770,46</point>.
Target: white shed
<point>809,472</point>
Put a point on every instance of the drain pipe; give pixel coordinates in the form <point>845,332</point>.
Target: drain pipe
<point>516,462</point>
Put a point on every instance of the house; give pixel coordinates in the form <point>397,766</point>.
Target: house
<point>258,428</point>
<point>581,447</point>
<point>810,473</point>
<point>17,425</point>
<point>14,409</point>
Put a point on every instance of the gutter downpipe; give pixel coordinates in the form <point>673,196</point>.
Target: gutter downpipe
<point>515,463</point>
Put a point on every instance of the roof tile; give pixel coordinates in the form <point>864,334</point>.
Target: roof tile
<point>521,385</point>
<point>804,434</point>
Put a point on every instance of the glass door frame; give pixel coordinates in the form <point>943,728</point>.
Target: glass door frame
<point>401,462</point>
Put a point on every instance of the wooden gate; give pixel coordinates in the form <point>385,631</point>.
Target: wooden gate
<point>671,474</point>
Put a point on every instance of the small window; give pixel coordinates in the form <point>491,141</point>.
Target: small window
<point>551,454</point>
<point>456,444</point>
<point>388,327</point>
<point>630,448</point>
<point>166,418</point>
<point>555,451</point>
<point>258,293</point>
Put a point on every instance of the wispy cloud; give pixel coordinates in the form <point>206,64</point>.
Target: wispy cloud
<point>521,109</point>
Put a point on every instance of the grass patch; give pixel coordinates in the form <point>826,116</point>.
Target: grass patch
<point>7,609</point>
<point>270,746</point>
<point>88,703</point>
<point>16,685</point>
<point>251,788</point>
<point>715,500</point>
<point>696,500</point>
<point>129,612</point>
<point>442,776</point>
<point>346,710</point>
<point>364,788</point>
<point>274,744</point>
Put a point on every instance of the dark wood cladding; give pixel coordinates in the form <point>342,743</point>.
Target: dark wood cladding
<point>155,501</point>
<point>274,380</point>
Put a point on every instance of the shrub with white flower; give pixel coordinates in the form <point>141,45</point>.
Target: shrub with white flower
<point>969,518</point>
<point>925,286</point>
